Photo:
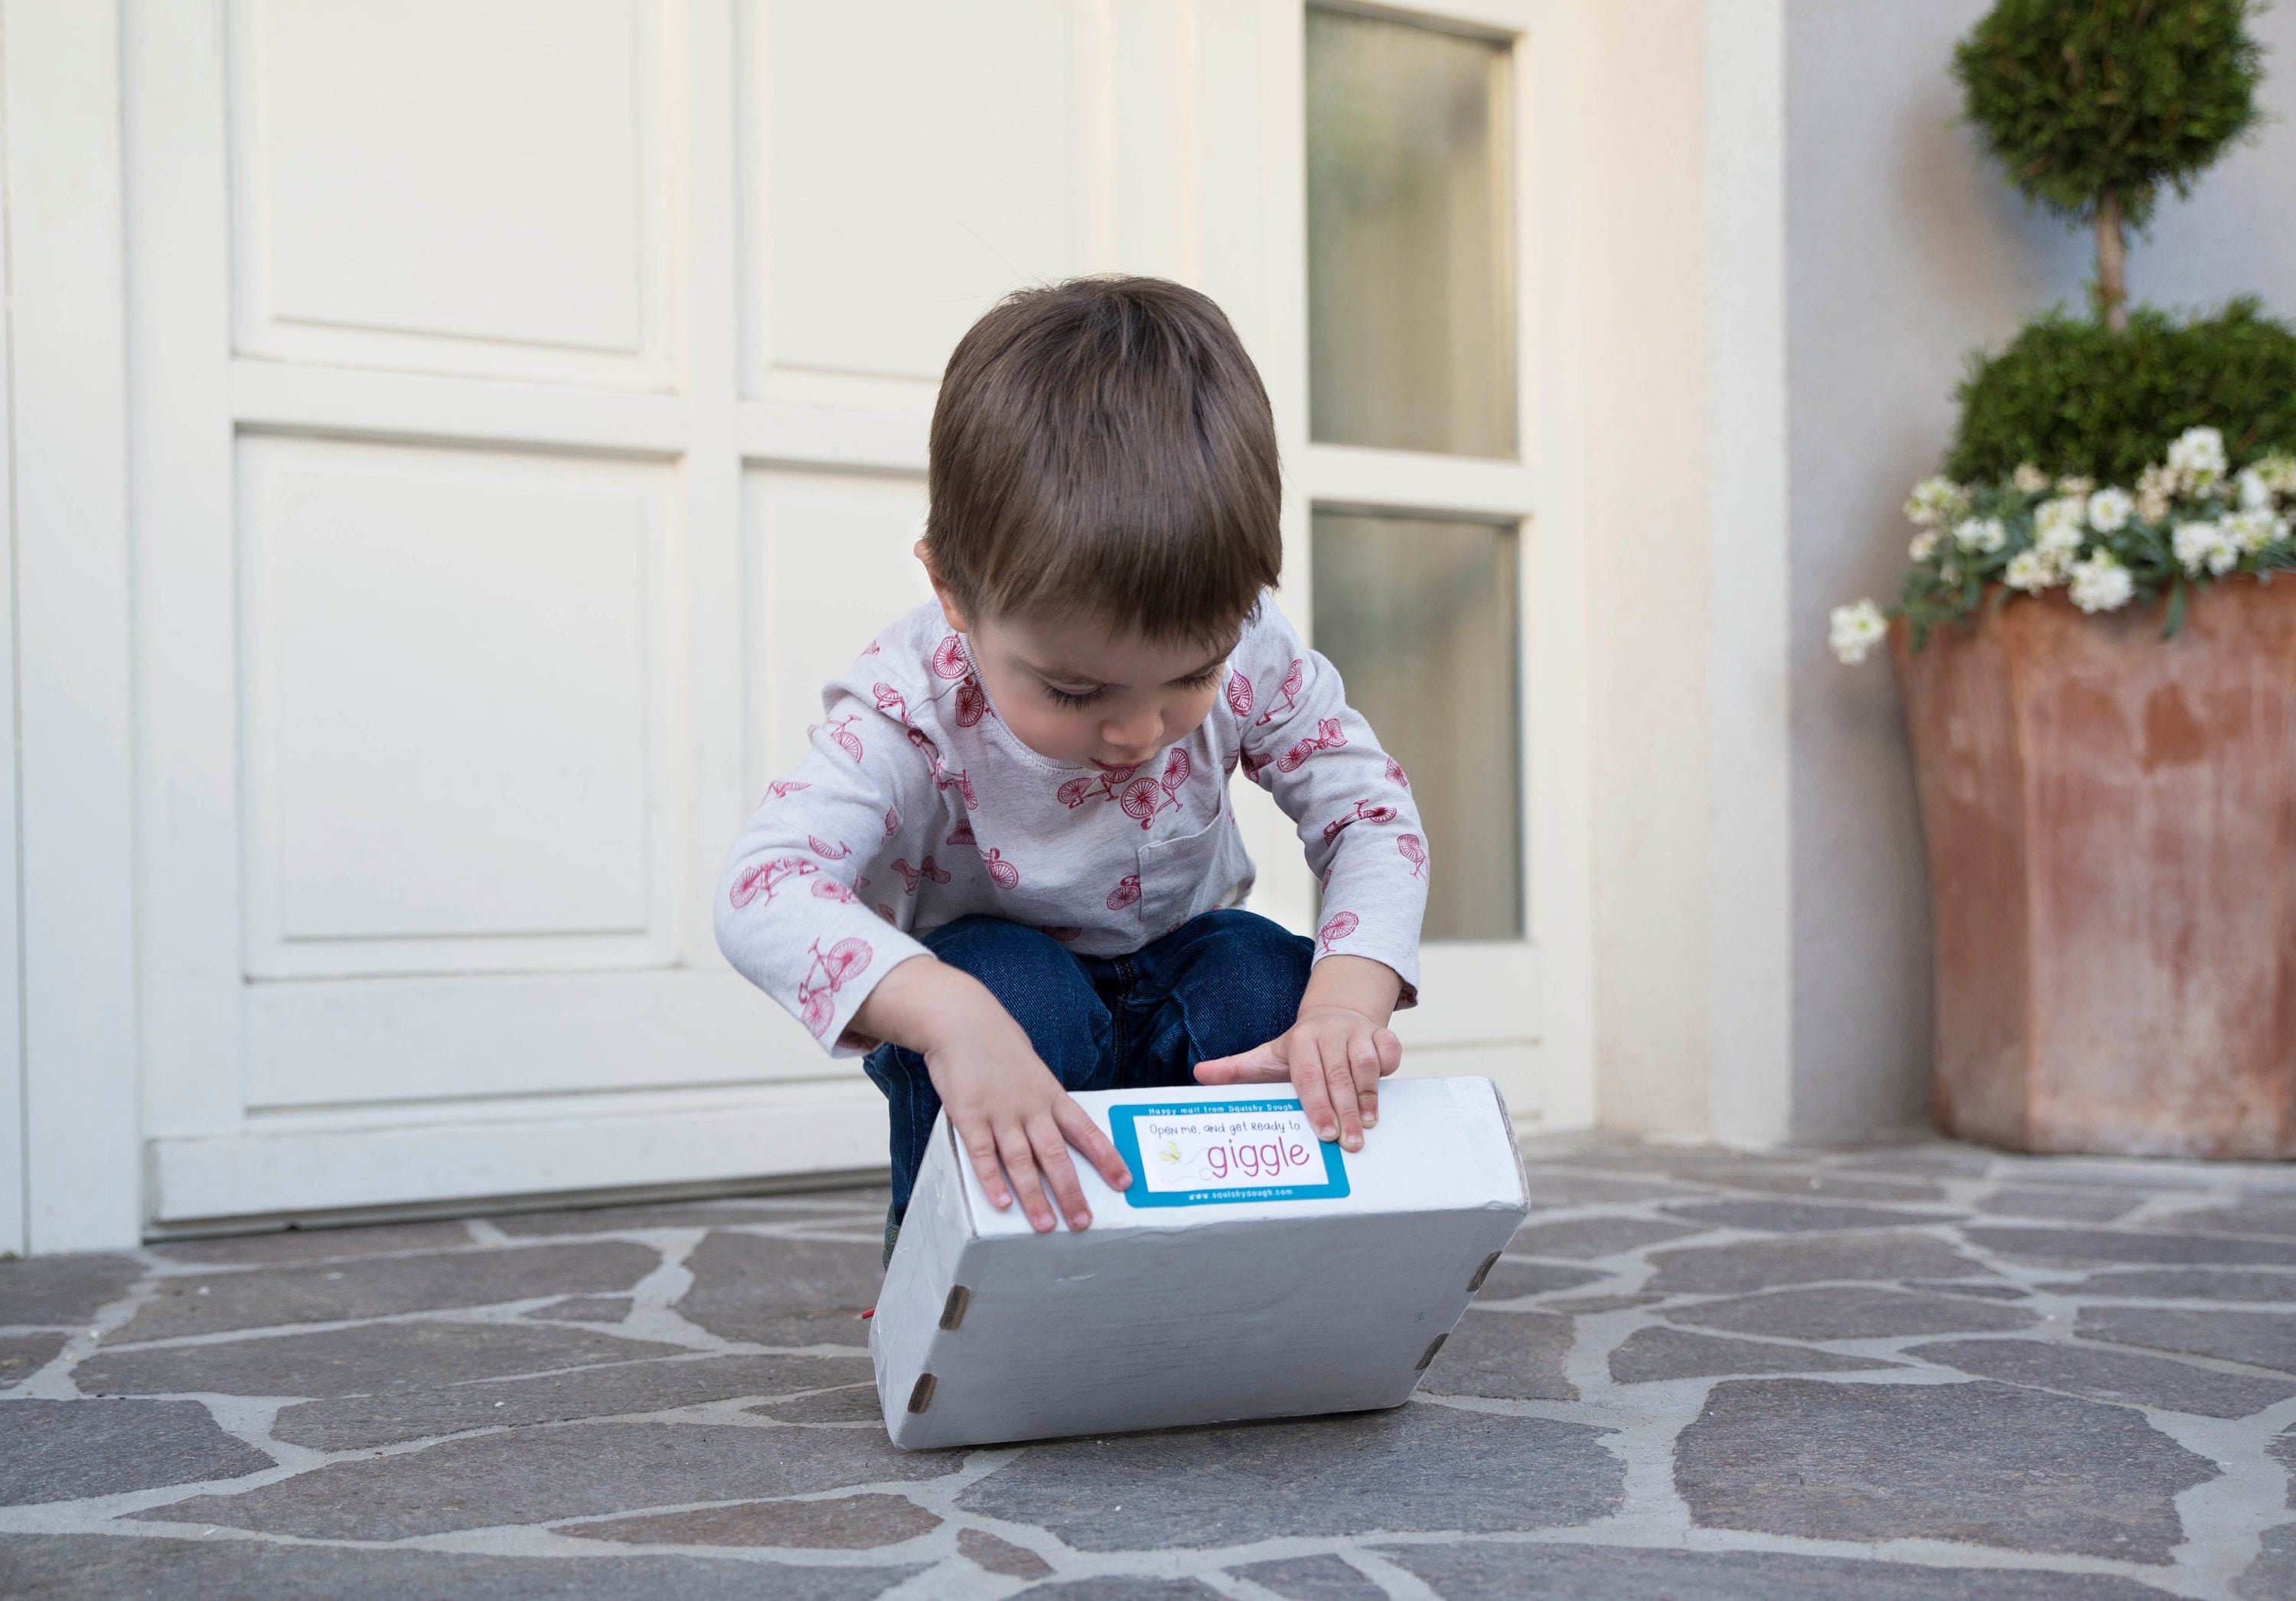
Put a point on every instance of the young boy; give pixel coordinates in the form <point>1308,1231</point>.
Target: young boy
<point>1008,870</point>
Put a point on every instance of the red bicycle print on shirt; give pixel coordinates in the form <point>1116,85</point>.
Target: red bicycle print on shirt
<point>1395,774</point>
<point>1101,785</point>
<point>1253,765</point>
<point>1328,736</point>
<point>760,882</point>
<point>1287,693</point>
<point>890,701</point>
<point>781,787</point>
<point>1364,812</point>
<point>949,660</point>
<point>825,851</point>
<point>931,871</point>
<point>1065,933</point>
<point>1414,852</point>
<point>840,729</point>
<point>1007,876</point>
<point>830,888</point>
<point>892,821</point>
<point>1144,797</point>
<point>1239,694</point>
<point>1341,925</point>
<point>961,835</point>
<point>830,971</point>
<point>971,702</point>
<point>941,776</point>
<point>1126,893</point>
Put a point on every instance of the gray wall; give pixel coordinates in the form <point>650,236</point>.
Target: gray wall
<point>1906,249</point>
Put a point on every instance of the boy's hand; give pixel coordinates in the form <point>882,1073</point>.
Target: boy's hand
<point>1335,1054</point>
<point>1334,1057</point>
<point>1001,1100</point>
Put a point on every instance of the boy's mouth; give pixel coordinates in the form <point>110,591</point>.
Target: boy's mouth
<point>1117,767</point>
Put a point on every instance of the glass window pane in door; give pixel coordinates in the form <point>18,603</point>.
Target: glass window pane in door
<point>1410,270</point>
<point>1419,616</point>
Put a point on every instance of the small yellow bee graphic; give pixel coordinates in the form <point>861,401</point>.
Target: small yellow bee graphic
<point>1169,1150</point>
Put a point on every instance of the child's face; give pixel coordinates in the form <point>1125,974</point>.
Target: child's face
<point>1069,691</point>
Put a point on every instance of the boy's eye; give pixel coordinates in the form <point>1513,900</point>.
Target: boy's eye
<point>1062,697</point>
<point>1199,679</point>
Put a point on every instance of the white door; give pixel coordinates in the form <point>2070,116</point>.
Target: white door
<point>507,382</point>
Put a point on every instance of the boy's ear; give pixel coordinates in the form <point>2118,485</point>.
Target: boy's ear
<point>941,591</point>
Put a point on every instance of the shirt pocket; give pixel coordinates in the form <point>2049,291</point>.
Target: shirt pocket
<point>1192,874</point>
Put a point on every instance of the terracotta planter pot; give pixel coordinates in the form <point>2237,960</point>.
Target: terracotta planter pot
<point>2111,827</point>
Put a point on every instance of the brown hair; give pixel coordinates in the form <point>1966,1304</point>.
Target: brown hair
<point>1105,446</point>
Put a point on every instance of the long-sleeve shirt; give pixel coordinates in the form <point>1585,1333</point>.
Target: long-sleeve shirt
<point>917,806</point>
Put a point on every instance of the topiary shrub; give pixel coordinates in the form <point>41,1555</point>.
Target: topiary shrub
<point>2079,401</point>
<point>2092,105</point>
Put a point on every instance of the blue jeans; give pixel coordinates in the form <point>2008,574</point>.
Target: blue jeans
<point>1217,985</point>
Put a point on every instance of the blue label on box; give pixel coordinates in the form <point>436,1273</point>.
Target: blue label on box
<point>1210,1153</point>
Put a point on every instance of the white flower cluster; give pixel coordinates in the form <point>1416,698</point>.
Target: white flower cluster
<point>2083,535</point>
<point>1857,629</point>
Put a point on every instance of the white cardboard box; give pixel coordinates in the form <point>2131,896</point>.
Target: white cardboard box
<point>1250,1271</point>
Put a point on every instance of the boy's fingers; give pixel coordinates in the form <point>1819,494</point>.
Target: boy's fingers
<point>1020,1161</point>
<point>1315,1094</point>
<point>1085,1136</point>
<point>1363,1063</point>
<point>1344,1101</point>
<point>981,1146</point>
<point>1259,1066</point>
<point>1044,1138</point>
<point>1390,1050</point>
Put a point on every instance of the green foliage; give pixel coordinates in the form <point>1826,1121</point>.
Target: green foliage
<point>2084,98</point>
<point>2074,399</point>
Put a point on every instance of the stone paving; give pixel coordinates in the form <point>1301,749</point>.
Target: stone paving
<point>1922,1371</point>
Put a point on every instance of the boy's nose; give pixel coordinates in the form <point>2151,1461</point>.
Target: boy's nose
<point>1136,736</point>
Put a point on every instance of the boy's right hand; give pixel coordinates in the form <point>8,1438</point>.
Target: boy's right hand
<point>1010,1113</point>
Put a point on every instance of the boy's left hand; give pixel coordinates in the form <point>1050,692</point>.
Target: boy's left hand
<point>1334,1056</point>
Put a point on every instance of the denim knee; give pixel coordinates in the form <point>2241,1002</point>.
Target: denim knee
<point>1045,988</point>
<point>1241,981</point>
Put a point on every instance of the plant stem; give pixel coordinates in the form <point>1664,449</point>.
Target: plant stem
<point>2112,262</point>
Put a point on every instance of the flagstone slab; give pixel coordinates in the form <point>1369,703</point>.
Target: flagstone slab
<point>855,1403</point>
<point>984,1550</point>
<point>1312,1578</point>
<point>1982,1463</point>
<point>1545,1185</point>
<point>1983,1289</point>
<point>544,1475</point>
<point>1851,1312</point>
<point>363,1359</point>
<point>849,1523</point>
<point>2259,1339</point>
<point>2273,1216</point>
<point>1506,1279</point>
<point>1583,1239</point>
<point>778,1291</point>
<point>2113,1375</point>
<point>355,1422</point>
<point>1514,1356</point>
<point>1483,1571</point>
<point>2272,1576</point>
<point>585,1309</point>
<point>2085,1247</point>
<point>1114,1589</point>
<point>288,1245</point>
<point>2061,1204</point>
<point>61,1450</point>
<point>58,1290</point>
<point>1651,1354</point>
<point>1809,1258</point>
<point>1421,1466</point>
<point>1828,1185</point>
<point>106,1568</point>
<point>23,1355</point>
<point>1783,1216</point>
<point>1950,1162</point>
<point>380,1286</point>
<point>2187,1283</point>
